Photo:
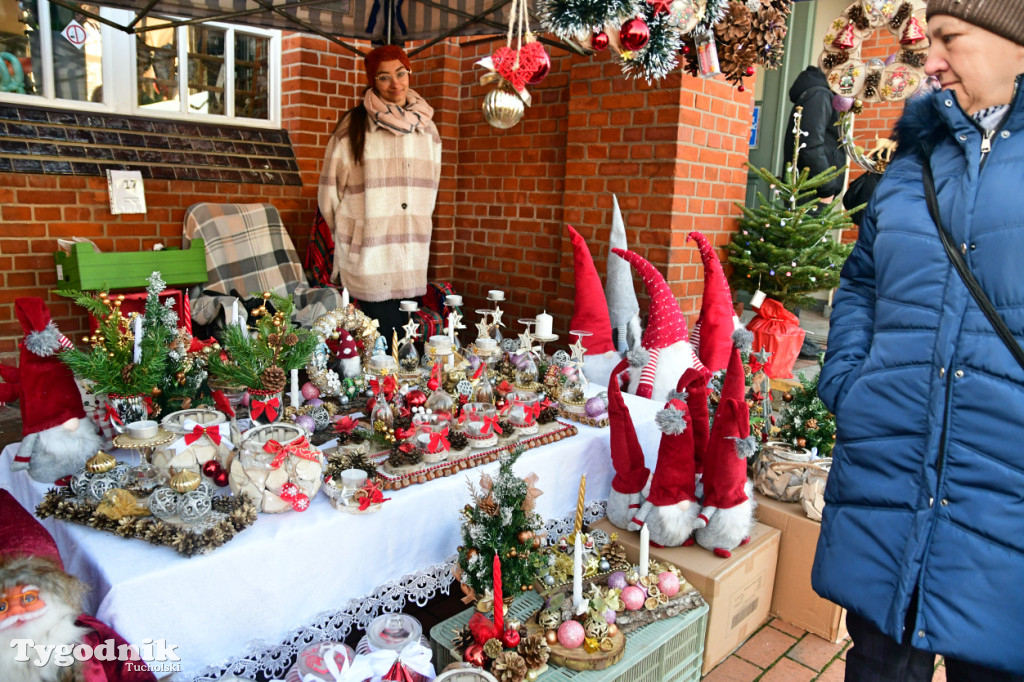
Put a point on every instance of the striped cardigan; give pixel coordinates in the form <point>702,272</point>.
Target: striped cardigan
<point>380,211</point>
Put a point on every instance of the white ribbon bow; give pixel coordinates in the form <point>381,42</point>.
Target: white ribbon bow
<point>190,425</point>
<point>336,673</point>
<point>373,666</point>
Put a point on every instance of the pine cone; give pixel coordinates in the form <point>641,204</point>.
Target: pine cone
<point>736,24</point>
<point>507,428</point>
<point>494,648</point>
<point>273,379</point>
<point>534,650</point>
<point>461,638</point>
<point>290,339</point>
<point>458,440</point>
<point>273,339</point>
<point>812,424</point>
<point>547,416</point>
<point>488,506</point>
<point>509,667</point>
<point>735,59</point>
<point>400,459</point>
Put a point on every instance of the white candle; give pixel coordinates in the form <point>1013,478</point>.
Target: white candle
<point>453,300</point>
<point>137,350</point>
<point>408,306</point>
<point>234,311</point>
<point>645,548</point>
<point>344,297</point>
<point>577,572</point>
<point>495,295</point>
<point>544,323</point>
<point>296,396</point>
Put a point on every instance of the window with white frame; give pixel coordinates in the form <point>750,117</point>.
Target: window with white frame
<point>204,71</point>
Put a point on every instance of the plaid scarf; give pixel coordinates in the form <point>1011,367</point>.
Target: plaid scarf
<point>399,120</point>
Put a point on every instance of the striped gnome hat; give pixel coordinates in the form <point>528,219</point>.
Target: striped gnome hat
<point>712,335</point>
<point>665,322</point>
<point>591,309</point>
<point>631,472</point>
<point>730,442</point>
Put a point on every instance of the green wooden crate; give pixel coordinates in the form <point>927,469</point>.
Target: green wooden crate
<point>668,650</point>
<point>87,270</point>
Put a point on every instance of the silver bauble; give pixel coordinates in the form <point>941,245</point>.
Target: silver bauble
<point>503,108</point>
<point>321,417</point>
<point>163,503</point>
<point>193,506</point>
<point>99,485</point>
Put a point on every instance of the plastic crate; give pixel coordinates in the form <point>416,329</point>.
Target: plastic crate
<point>85,269</point>
<point>669,650</point>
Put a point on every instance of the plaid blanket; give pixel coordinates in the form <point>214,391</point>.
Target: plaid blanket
<point>248,251</point>
<point>320,252</point>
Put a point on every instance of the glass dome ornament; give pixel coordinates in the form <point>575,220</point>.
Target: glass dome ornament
<point>453,318</point>
<point>406,355</point>
<point>496,296</point>
<point>382,417</point>
<point>527,375</point>
<point>572,397</point>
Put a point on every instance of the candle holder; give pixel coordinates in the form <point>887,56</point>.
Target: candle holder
<point>480,424</point>
<point>453,316</point>
<point>496,296</point>
<point>523,410</point>
<point>543,341</point>
<point>572,397</point>
<point>407,356</point>
<point>430,436</point>
<point>145,474</point>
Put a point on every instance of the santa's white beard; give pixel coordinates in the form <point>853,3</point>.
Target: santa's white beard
<point>672,362</point>
<point>59,452</point>
<point>56,626</point>
<point>598,367</point>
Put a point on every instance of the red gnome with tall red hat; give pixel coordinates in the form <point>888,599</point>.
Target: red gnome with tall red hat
<point>590,314</point>
<point>57,439</point>
<point>44,637</point>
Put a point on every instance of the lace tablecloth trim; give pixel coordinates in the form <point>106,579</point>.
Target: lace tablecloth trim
<point>273,661</point>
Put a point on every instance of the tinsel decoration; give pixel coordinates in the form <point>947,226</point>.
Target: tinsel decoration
<point>509,667</point>
<point>535,650</point>
<point>714,14</point>
<point>661,54</point>
<point>570,19</point>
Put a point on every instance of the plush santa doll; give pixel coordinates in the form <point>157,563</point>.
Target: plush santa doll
<point>728,505</point>
<point>590,313</point>
<point>40,607</point>
<point>57,438</point>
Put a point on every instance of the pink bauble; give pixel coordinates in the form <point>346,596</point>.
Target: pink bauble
<point>309,391</point>
<point>609,616</point>
<point>668,583</point>
<point>617,580</point>
<point>306,422</point>
<point>840,103</point>
<point>571,634</point>
<point>633,598</point>
<point>596,407</point>
<point>314,402</point>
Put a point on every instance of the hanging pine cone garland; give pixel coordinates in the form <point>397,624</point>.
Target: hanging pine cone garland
<point>534,650</point>
<point>273,379</point>
<point>509,667</point>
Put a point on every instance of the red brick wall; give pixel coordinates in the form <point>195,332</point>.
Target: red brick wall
<point>672,152</point>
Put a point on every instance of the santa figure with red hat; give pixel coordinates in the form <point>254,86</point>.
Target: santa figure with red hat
<point>727,514</point>
<point>590,314</point>
<point>346,352</point>
<point>42,627</point>
<point>57,438</point>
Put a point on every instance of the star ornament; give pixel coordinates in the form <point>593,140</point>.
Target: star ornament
<point>498,312</point>
<point>525,343</point>
<point>763,355</point>
<point>454,323</point>
<point>483,330</point>
<point>659,6</point>
<point>412,330</point>
<point>578,351</point>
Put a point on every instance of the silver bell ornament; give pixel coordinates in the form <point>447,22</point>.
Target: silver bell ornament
<point>503,108</point>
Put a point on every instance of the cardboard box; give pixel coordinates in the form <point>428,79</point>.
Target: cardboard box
<point>738,590</point>
<point>794,600</point>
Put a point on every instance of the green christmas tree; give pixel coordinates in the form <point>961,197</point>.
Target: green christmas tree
<point>785,246</point>
<point>501,519</point>
<point>806,422</point>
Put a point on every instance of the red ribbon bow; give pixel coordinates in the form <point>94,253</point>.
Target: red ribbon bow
<point>491,422</point>
<point>435,377</point>
<point>531,412</point>
<point>299,448</point>
<point>111,413</point>
<point>479,371</point>
<point>212,432</point>
<point>504,387</point>
<point>270,407</point>
<point>370,494</point>
<point>545,404</point>
<point>385,386</point>
<point>222,403</point>
<point>439,441</point>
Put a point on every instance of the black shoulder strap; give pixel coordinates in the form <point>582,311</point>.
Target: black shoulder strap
<point>961,267</point>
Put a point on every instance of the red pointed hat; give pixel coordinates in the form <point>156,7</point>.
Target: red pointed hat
<point>44,385</point>
<point>695,383</point>
<point>21,534</point>
<point>729,444</point>
<point>627,456</point>
<point>591,308</point>
<point>665,322</point>
<point>674,477</point>
<point>347,346</point>
<point>712,335</point>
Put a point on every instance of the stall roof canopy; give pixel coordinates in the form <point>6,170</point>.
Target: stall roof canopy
<point>408,20</point>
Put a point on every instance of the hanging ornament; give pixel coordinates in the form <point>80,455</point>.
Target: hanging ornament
<point>661,6</point>
<point>599,42</point>
<point>846,38</point>
<point>503,108</point>
<point>913,33</point>
<point>534,53</point>
<point>634,34</point>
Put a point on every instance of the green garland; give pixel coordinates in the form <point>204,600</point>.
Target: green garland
<point>805,416</point>
<point>661,54</point>
<point>109,363</point>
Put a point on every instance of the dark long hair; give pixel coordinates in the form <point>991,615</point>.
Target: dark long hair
<point>357,120</point>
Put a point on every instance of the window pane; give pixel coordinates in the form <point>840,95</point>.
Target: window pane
<point>19,22</point>
<point>157,63</point>
<point>206,73</point>
<point>251,76</point>
<point>77,54</point>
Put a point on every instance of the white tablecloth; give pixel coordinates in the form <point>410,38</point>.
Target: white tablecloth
<point>289,576</point>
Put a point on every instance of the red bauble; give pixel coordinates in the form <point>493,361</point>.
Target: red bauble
<point>212,468</point>
<point>300,502</point>
<point>599,41</point>
<point>370,402</point>
<point>742,88</point>
<point>751,70</point>
<point>474,655</point>
<point>634,34</point>
<point>220,479</point>
<point>543,67</point>
<point>415,398</point>
<point>510,638</point>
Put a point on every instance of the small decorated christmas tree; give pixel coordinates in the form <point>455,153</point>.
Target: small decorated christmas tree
<point>786,246</point>
<point>806,422</point>
<point>502,519</point>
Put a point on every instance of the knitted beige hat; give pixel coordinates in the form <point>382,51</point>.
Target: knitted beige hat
<point>1002,17</point>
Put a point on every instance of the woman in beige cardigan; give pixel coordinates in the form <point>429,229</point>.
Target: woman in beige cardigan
<point>378,187</point>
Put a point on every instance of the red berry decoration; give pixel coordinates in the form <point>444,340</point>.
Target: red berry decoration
<point>742,88</point>
<point>220,479</point>
<point>599,41</point>
<point>510,638</point>
<point>634,34</point>
<point>751,70</point>
<point>300,502</point>
<point>474,655</point>
<point>211,468</point>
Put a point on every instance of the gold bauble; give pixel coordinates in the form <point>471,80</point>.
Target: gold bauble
<point>513,553</point>
<point>633,577</point>
<point>787,397</point>
<point>551,636</point>
<point>503,108</point>
<point>185,481</point>
<point>613,629</point>
<point>801,442</point>
<point>531,675</point>
<point>100,463</point>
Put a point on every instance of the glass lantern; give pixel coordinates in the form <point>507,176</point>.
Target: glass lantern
<point>523,410</point>
<point>527,374</point>
<point>480,424</point>
<point>430,436</point>
<point>440,402</point>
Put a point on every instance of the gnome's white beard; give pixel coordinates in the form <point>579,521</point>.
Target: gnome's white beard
<point>598,367</point>
<point>728,528</point>
<point>58,452</point>
<point>672,362</point>
<point>55,627</point>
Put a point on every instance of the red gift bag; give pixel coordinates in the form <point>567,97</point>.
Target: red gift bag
<point>778,331</point>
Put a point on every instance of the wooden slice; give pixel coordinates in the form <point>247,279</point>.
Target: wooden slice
<point>578,659</point>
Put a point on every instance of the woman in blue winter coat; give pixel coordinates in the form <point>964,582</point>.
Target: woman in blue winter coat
<point>923,530</point>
